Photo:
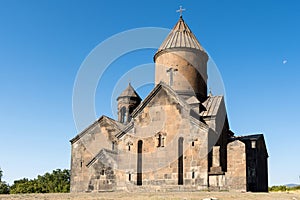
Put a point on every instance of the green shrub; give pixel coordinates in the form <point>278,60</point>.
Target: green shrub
<point>283,188</point>
<point>4,188</point>
<point>56,182</point>
<point>278,188</point>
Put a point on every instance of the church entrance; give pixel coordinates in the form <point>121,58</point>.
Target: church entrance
<point>139,180</point>
<point>180,161</point>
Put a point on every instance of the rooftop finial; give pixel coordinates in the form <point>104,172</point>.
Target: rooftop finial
<point>210,94</point>
<point>180,10</point>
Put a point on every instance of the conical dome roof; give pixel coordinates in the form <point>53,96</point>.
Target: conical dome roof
<point>181,36</point>
<point>129,92</point>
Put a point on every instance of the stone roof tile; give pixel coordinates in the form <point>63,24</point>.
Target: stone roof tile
<point>129,92</point>
<point>181,36</point>
<point>212,105</point>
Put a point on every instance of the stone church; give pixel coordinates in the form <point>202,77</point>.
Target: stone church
<point>176,139</point>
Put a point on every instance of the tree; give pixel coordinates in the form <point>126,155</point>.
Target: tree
<point>1,174</point>
<point>56,182</point>
<point>4,188</point>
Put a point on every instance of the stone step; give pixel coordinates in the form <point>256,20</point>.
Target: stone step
<point>161,188</point>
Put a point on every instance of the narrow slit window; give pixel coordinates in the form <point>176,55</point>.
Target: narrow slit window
<point>159,140</point>
<point>129,146</point>
<point>123,115</point>
<point>113,145</point>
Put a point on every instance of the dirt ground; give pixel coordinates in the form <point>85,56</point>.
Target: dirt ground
<point>158,195</point>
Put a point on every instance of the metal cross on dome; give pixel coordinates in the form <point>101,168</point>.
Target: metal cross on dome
<point>180,10</point>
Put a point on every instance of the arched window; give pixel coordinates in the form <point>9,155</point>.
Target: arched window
<point>129,144</point>
<point>123,117</point>
<point>113,145</point>
<point>160,139</point>
<point>139,180</point>
<point>180,161</point>
<point>129,114</point>
<point>194,142</point>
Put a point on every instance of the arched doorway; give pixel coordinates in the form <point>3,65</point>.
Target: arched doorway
<point>139,179</point>
<point>180,161</point>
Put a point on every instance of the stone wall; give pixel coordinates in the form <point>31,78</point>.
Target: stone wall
<point>166,120</point>
<point>236,178</point>
<point>191,74</point>
<point>85,147</point>
<point>174,153</point>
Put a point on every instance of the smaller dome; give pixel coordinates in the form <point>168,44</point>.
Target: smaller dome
<point>129,92</point>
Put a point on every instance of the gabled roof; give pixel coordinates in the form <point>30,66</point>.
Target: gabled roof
<point>254,137</point>
<point>129,92</point>
<point>248,137</point>
<point>212,105</point>
<point>113,122</point>
<point>106,156</point>
<point>162,86</point>
<point>193,100</point>
<point>125,130</point>
<point>153,93</point>
<point>181,36</point>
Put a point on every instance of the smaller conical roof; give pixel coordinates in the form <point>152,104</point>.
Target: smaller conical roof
<point>181,36</point>
<point>129,92</point>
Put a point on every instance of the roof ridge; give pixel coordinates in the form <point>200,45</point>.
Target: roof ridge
<point>154,91</point>
<point>103,153</point>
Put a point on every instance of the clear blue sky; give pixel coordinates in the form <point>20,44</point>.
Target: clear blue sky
<point>43,43</point>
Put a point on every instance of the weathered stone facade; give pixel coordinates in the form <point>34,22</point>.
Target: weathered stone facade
<point>177,138</point>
